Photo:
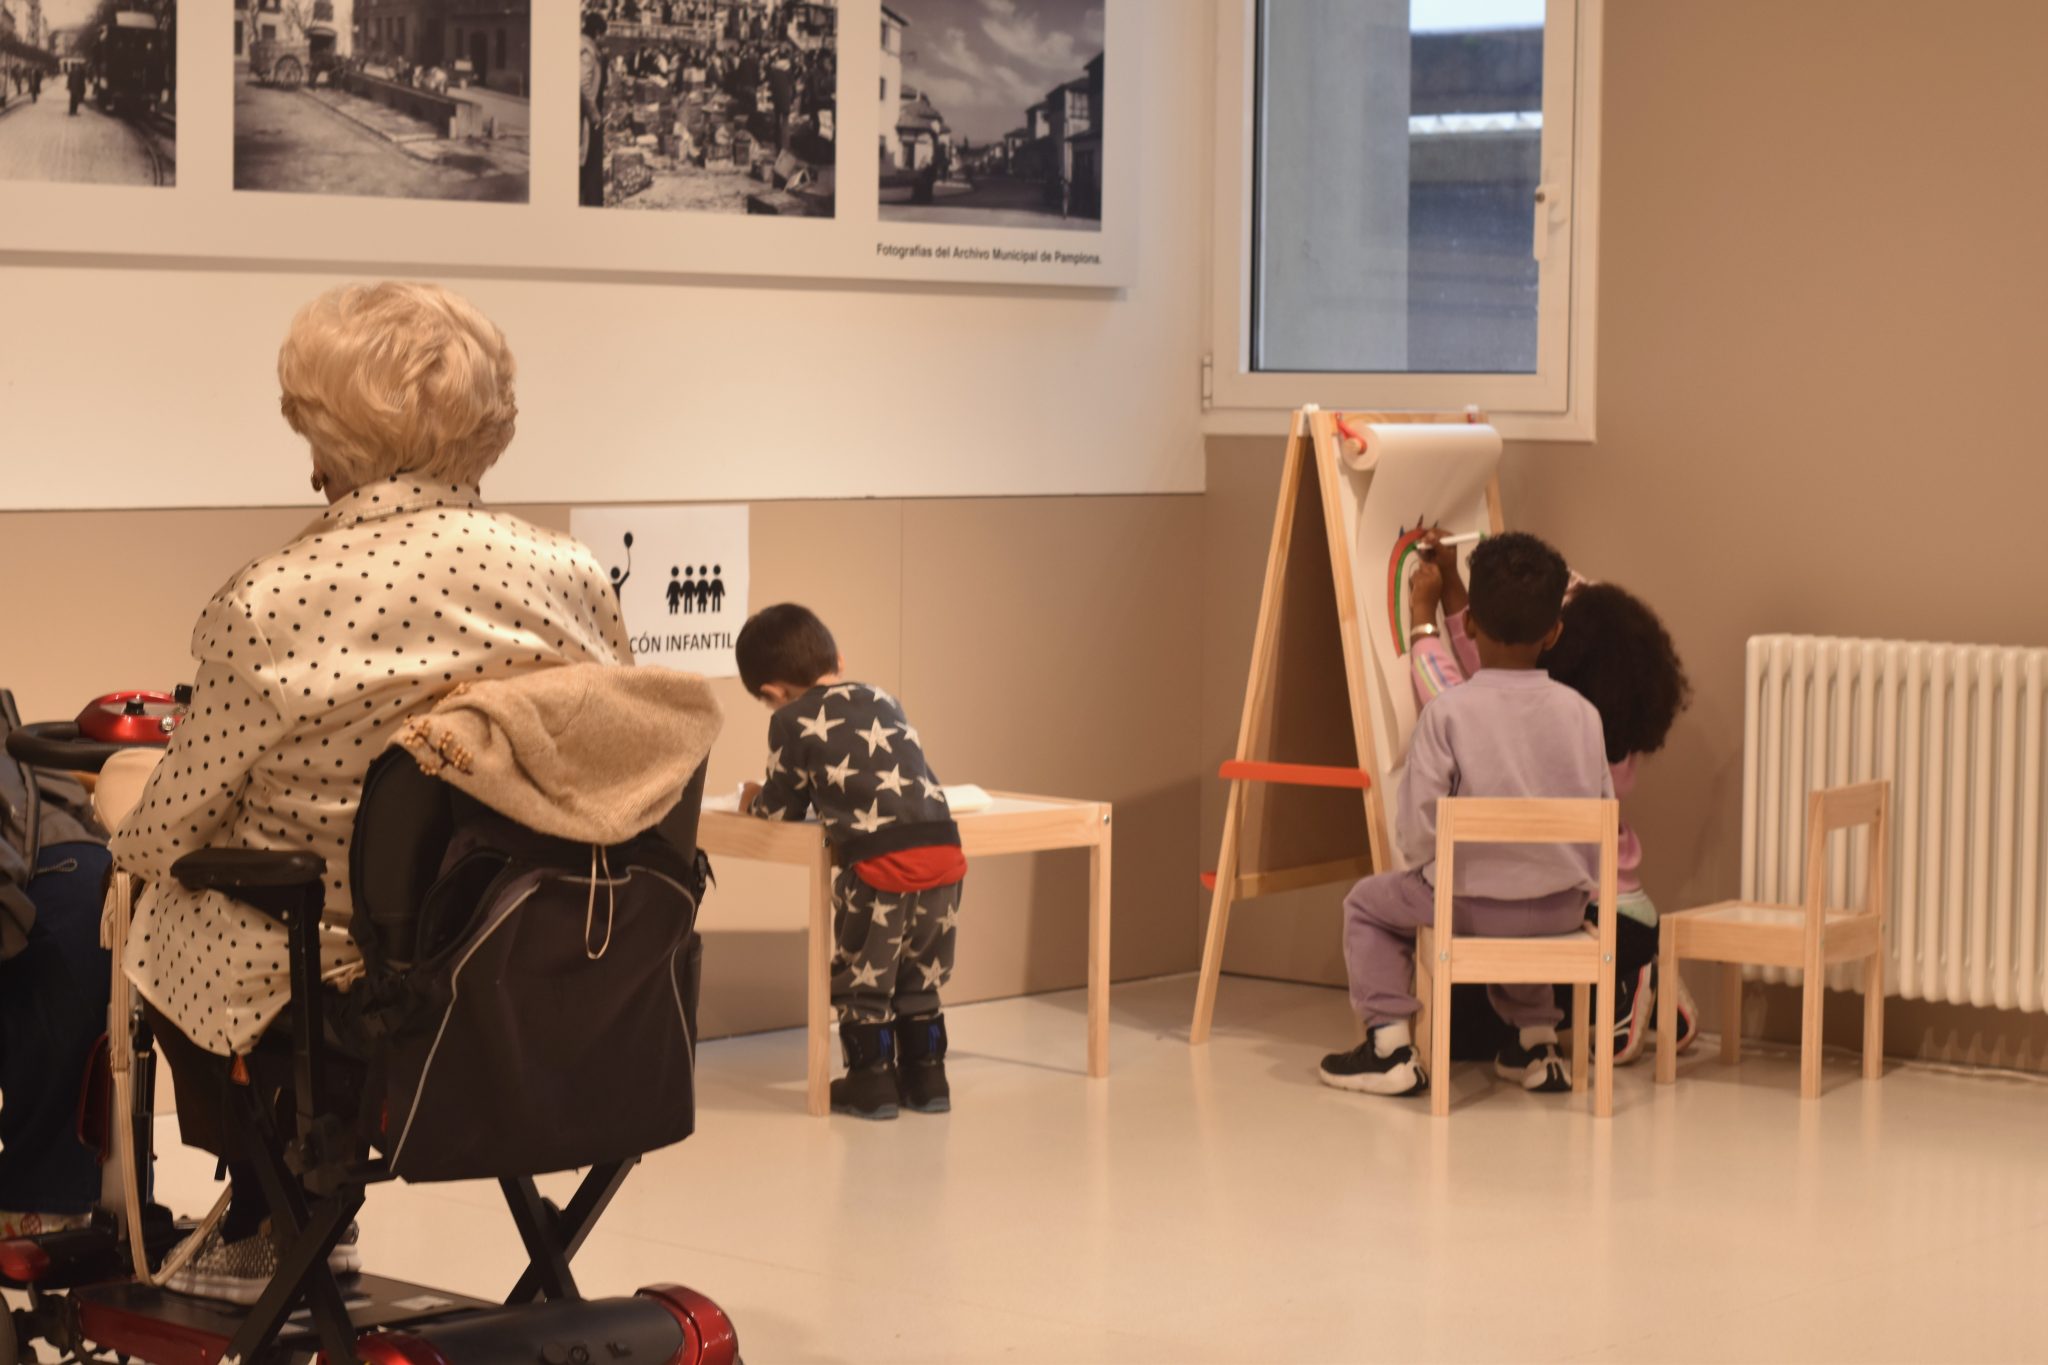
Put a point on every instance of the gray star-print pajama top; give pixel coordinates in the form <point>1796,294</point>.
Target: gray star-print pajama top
<point>847,751</point>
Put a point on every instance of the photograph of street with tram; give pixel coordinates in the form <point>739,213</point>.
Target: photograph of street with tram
<point>402,99</point>
<point>992,113</point>
<point>88,91</point>
<point>710,106</point>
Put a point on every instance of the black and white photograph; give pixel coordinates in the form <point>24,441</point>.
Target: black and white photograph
<point>396,99</point>
<point>992,113</point>
<point>88,91</point>
<point>710,106</point>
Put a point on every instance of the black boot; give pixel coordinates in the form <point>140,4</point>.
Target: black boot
<point>868,1089</point>
<point>921,1063</point>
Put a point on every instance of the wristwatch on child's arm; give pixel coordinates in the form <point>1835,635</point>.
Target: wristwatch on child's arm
<point>1422,632</point>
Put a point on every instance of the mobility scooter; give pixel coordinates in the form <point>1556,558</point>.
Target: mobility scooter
<point>368,1103</point>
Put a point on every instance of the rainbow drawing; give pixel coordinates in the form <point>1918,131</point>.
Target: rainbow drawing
<point>1398,565</point>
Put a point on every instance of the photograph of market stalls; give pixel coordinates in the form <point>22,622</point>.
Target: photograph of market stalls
<point>402,99</point>
<point>709,106</point>
<point>992,113</point>
<point>89,91</point>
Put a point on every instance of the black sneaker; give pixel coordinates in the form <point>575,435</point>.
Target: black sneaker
<point>347,1256</point>
<point>232,1272</point>
<point>868,1089</point>
<point>1398,1071</point>
<point>1539,1067</point>
<point>921,1064</point>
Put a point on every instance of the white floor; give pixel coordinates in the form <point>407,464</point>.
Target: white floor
<point>1218,1204</point>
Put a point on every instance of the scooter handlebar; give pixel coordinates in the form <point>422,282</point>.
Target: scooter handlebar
<point>57,744</point>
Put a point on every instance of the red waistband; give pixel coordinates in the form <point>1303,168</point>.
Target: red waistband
<point>914,869</point>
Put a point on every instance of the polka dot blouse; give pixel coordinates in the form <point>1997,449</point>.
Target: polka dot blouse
<point>309,661</point>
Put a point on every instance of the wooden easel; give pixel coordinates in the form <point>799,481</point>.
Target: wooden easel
<point>1305,742</point>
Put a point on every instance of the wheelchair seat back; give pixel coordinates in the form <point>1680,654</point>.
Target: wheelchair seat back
<point>530,1002</point>
<point>402,833</point>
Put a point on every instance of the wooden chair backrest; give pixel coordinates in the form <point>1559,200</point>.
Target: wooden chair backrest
<point>1833,810</point>
<point>1493,820</point>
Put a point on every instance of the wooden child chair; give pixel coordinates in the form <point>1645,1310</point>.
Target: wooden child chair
<point>1584,957</point>
<point>1809,936</point>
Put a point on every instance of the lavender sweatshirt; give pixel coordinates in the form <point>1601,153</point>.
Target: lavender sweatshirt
<point>1443,662</point>
<point>1504,733</point>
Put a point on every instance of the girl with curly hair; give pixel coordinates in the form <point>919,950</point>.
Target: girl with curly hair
<point>1616,653</point>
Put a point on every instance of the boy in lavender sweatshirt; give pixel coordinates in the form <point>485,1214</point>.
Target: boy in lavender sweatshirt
<point>1508,732</point>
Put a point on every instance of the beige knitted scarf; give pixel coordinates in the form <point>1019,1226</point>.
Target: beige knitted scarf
<point>591,752</point>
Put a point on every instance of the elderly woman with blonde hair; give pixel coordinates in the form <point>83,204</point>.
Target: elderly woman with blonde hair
<point>314,656</point>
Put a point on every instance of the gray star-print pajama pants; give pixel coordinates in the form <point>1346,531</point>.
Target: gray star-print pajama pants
<point>892,949</point>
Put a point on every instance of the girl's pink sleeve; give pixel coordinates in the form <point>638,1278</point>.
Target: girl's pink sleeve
<point>1433,668</point>
<point>1461,642</point>
<point>1629,850</point>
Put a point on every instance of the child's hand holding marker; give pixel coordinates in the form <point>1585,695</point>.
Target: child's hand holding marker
<point>1440,551</point>
<point>1425,593</point>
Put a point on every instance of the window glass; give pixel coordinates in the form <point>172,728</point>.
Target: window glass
<point>1398,153</point>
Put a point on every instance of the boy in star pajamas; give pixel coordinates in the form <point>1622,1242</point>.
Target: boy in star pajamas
<point>846,750</point>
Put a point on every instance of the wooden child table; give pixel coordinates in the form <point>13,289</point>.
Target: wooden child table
<point>1009,824</point>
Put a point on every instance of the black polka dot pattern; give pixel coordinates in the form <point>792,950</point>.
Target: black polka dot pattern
<point>309,661</point>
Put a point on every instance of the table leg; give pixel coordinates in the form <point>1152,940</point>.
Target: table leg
<point>818,1011</point>
<point>1098,952</point>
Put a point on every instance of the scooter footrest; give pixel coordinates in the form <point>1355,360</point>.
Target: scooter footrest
<point>59,1260</point>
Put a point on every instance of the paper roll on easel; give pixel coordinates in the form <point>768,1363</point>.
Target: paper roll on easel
<point>1364,446</point>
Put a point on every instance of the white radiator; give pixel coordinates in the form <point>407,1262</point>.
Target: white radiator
<point>1960,730</point>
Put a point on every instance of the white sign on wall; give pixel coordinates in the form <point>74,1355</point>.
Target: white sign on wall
<point>681,577</point>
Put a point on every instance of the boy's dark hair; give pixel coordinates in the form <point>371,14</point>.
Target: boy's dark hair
<point>1617,655</point>
<point>784,644</point>
<point>1518,585</point>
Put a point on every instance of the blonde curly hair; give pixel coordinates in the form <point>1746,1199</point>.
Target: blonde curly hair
<point>398,378</point>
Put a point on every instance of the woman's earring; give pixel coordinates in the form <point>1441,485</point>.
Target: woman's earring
<point>319,482</point>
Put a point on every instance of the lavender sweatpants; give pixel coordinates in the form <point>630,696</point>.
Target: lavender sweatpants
<point>1382,914</point>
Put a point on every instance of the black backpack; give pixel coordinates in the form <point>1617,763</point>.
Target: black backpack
<point>529,1004</point>
<point>39,809</point>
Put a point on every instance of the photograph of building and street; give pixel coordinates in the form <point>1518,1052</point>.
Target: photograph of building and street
<point>992,113</point>
<point>88,91</point>
<point>404,99</point>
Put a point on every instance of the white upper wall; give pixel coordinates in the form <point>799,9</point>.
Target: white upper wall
<point>137,384</point>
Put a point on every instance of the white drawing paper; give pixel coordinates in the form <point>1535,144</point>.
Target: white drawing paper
<point>1421,475</point>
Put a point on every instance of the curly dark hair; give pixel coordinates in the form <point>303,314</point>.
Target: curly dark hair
<point>1617,655</point>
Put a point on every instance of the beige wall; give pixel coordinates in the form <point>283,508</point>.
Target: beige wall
<point>1821,329</point>
<point>1012,629</point>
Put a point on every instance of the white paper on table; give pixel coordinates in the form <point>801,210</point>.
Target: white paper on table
<point>1421,475</point>
<point>966,799</point>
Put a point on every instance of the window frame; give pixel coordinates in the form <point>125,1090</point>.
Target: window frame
<point>1556,403</point>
